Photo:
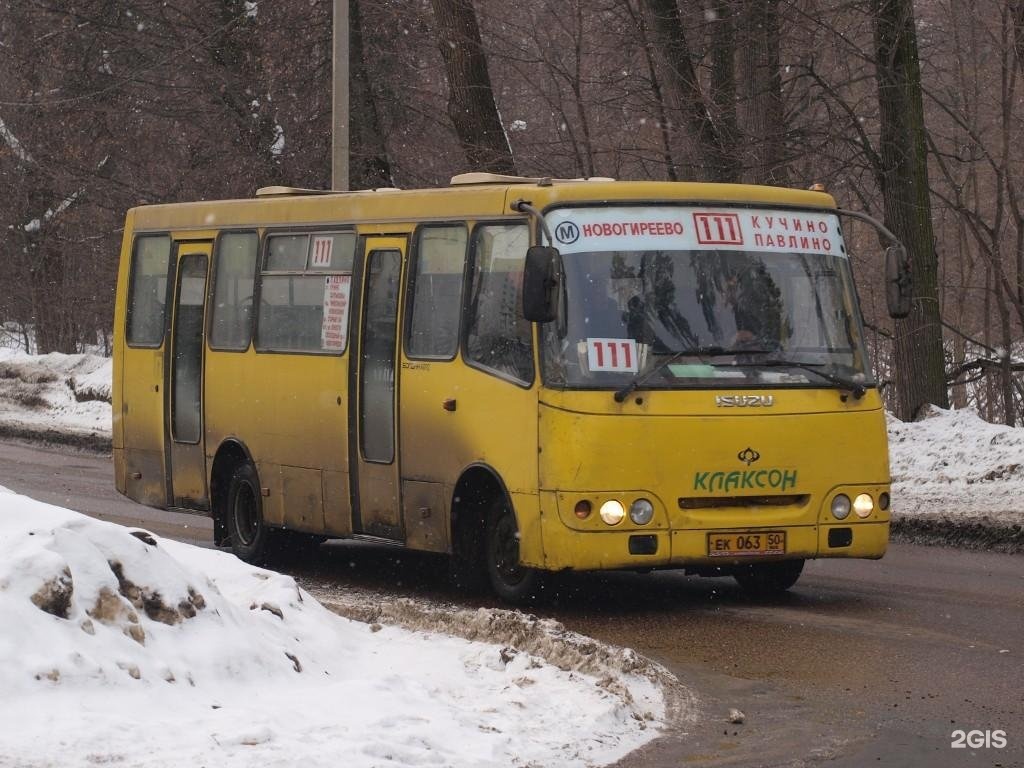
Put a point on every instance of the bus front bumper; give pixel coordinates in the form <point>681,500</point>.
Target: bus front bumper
<point>565,548</point>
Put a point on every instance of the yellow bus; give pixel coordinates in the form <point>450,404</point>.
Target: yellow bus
<point>531,375</point>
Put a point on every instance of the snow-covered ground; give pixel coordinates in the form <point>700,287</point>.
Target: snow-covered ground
<point>953,461</point>
<point>118,647</point>
<point>55,392</point>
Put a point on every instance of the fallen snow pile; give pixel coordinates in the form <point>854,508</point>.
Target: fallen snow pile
<point>120,647</point>
<point>68,393</point>
<point>953,462</point>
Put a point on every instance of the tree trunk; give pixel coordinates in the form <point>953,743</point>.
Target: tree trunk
<point>711,158</point>
<point>722,91</point>
<point>368,154</point>
<point>761,78</point>
<point>659,100</point>
<point>471,104</point>
<point>920,377</point>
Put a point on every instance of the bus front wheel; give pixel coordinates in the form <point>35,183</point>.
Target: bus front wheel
<point>511,581</point>
<point>768,579</point>
<point>247,530</point>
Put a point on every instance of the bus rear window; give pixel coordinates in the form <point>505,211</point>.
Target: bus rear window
<point>147,298</point>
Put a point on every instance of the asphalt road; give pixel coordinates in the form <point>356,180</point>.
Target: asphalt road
<point>863,663</point>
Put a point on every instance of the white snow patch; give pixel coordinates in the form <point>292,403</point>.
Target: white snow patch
<point>68,393</point>
<point>955,463</point>
<point>145,651</point>
<point>12,142</point>
<point>278,146</point>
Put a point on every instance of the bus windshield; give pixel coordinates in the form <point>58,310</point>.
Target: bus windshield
<point>728,318</point>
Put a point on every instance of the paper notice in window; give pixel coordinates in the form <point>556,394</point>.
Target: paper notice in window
<point>334,331</point>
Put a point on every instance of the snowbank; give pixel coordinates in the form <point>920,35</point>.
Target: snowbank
<point>121,647</point>
<point>955,460</point>
<point>55,392</point>
<point>956,479</point>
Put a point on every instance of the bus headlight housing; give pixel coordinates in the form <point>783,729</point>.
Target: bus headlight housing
<point>840,506</point>
<point>641,511</point>
<point>863,505</point>
<point>612,512</point>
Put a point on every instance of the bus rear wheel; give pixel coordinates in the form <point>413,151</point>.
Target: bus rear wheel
<point>247,529</point>
<point>510,580</point>
<point>768,579</point>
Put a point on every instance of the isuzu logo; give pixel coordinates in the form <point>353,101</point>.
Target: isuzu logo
<point>745,401</point>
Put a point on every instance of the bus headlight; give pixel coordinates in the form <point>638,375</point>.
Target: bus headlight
<point>641,511</point>
<point>883,501</point>
<point>863,505</point>
<point>840,506</point>
<point>612,512</point>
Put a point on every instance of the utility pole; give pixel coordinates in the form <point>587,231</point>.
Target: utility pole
<point>339,110</point>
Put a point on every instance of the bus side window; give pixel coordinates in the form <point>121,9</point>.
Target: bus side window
<point>234,276</point>
<point>436,293</point>
<point>147,302</point>
<point>304,292</point>
<point>498,337</point>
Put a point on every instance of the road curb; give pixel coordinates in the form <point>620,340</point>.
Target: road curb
<point>91,443</point>
<point>980,533</point>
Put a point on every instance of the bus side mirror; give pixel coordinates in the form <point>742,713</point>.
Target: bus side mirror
<point>899,286</point>
<point>541,278</point>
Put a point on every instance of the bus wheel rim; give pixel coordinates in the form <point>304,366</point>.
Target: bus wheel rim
<point>505,549</point>
<point>246,515</point>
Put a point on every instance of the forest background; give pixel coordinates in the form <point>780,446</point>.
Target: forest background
<point>912,112</point>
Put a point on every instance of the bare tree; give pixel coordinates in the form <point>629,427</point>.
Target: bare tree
<point>903,180</point>
<point>368,164</point>
<point>711,155</point>
<point>471,104</point>
<point>762,108</point>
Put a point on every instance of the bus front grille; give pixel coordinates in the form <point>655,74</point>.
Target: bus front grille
<point>712,502</point>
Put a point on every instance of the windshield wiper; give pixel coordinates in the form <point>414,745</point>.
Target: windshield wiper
<point>709,351</point>
<point>855,388</point>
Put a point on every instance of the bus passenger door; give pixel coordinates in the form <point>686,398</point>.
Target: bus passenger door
<point>184,388</point>
<point>374,380</point>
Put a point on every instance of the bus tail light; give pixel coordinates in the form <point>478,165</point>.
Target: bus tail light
<point>582,509</point>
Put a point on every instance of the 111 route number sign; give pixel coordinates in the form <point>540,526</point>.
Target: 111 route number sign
<point>612,355</point>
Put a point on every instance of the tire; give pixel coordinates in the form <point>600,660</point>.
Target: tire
<point>768,579</point>
<point>510,580</point>
<point>248,533</point>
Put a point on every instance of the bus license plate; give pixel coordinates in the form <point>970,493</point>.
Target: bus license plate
<point>746,544</point>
